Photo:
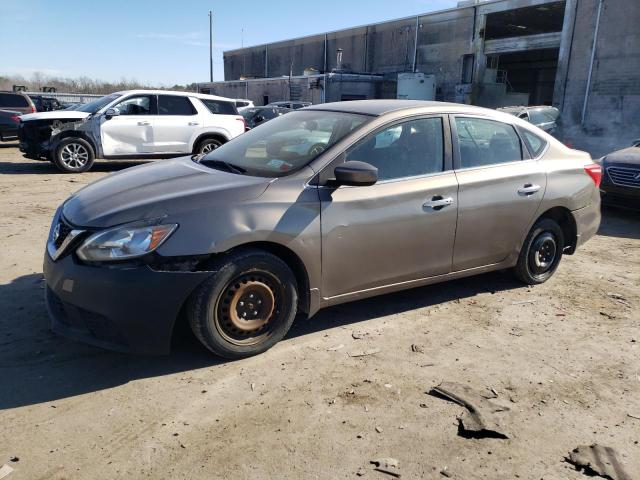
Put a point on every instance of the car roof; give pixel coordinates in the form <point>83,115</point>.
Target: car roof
<point>381,107</point>
<point>176,92</point>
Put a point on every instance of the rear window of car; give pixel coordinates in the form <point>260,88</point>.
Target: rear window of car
<point>175,105</point>
<point>242,104</point>
<point>534,143</point>
<point>13,100</point>
<point>220,107</point>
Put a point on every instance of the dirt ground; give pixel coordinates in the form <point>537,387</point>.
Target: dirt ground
<point>564,357</point>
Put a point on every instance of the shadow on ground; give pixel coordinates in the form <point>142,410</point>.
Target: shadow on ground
<point>37,366</point>
<point>621,223</point>
<point>38,167</point>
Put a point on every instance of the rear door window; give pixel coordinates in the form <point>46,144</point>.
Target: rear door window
<point>175,105</point>
<point>219,107</point>
<point>484,142</point>
<point>12,100</point>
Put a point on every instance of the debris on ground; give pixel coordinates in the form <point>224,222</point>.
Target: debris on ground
<point>387,465</point>
<point>364,353</point>
<point>637,417</point>
<point>598,460</point>
<point>336,347</point>
<point>480,419</point>
<point>417,348</point>
<point>5,470</point>
<point>357,335</point>
<point>361,472</point>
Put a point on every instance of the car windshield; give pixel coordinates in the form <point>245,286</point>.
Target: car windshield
<point>93,107</point>
<point>285,144</point>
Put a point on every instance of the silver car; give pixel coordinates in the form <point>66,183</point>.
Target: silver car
<point>324,205</point>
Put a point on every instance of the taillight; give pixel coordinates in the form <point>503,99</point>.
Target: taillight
<point>15,118</point>
<point>33,109</point>
<point>244,122</point>
<point>595,172</point>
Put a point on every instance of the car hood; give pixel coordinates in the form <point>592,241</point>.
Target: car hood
<point>55,115</point>
<point>627,156</point>
<point>157,190</point>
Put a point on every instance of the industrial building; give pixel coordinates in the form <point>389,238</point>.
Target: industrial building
<point>582,56</point>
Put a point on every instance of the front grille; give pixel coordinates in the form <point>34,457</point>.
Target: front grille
<point>35,131</point>
<point>625,177</point>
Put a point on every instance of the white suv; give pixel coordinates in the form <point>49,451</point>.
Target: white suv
<point>132,124</point>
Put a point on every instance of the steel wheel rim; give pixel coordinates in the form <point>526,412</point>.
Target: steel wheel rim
<point>74,155</point>
<point>248,308</point>
<point>543,253</point>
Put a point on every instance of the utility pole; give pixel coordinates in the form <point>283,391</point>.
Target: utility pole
<point>210,46</point>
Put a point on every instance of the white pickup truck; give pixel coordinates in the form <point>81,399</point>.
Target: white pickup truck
<point>138,124</point>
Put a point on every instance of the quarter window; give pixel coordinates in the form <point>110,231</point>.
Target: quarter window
<point>403,150</point>
<point>534,143</point>
<point>175,105</point>
<point>138,105</point>
<point>486,142</point>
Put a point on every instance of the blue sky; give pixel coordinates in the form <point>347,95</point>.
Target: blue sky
<point>163,42</point>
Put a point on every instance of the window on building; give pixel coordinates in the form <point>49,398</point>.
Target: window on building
<point>467,68</point>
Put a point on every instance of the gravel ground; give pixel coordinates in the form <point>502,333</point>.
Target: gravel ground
<point>562,356</point>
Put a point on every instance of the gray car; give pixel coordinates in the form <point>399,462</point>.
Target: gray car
<point>324,205</point>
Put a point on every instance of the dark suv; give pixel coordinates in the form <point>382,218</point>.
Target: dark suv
<point>16,102</point>
<point>46,104</point>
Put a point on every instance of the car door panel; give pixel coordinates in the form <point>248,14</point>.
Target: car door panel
<point>403,227</point>
<point>131,132</point>
<point>173,131</point>
<point>385,234</point>
<point>496,199</point>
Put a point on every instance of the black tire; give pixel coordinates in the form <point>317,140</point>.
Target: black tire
<point>73,155</point>
<point>206,145</point>
<point>227,320</point>
<point>541,252</point>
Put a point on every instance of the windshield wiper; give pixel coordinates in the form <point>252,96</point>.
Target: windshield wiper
<point>222,165</point>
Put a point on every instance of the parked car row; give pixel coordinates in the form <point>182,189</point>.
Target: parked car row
<point>320,206</point>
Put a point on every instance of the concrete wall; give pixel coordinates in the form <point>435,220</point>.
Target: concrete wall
<point>612,117</point>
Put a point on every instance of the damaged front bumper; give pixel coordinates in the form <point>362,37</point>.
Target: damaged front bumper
<point>130,309</point>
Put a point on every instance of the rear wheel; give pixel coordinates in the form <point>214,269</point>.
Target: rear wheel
<point>541,252</point>
<point>73,155</point>
<point>207,145</point>
<point>246,307</point>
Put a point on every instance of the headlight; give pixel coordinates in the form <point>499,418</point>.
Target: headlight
<point>124,242</point>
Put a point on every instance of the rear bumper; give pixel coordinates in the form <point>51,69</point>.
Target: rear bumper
<point>124,309</point>
<point>627,197</point>
<point>587,222</point>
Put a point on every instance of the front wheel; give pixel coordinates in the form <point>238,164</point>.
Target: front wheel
<point>73,155</point>
<point>246,307</point>
<point>541,252</point>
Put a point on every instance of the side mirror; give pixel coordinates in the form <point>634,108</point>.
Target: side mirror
<point>111,112</point>
<point>355,173</point>
<point>636,143</point>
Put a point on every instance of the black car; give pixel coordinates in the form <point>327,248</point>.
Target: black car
<point>46,104</point>
<point>621,177</point>
<point>9,121</point>
<point>258,115</point>
<point>293,105</point>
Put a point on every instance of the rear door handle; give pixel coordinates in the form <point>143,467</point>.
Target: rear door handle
<point>193,123</point>
<point>528,189</point>
<point>143,123</point>
<point>438,202</point>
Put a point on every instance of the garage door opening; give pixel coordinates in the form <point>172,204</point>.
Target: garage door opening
<point>531,72</point>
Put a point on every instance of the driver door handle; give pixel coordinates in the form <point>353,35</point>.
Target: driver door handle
<point>528,189</point>
<point>143,123</point>
<point>438,202</point>
<point>193,123</point>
